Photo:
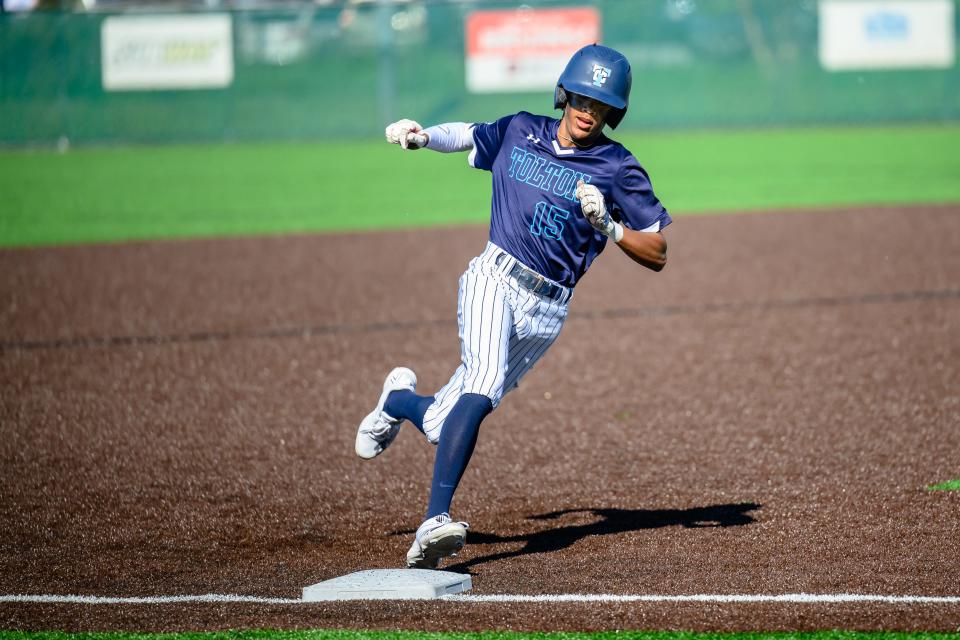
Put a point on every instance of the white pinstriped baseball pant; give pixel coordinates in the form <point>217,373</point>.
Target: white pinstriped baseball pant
<point>504,329</point>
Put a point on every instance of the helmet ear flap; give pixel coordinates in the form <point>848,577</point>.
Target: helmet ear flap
<point>560,98</point>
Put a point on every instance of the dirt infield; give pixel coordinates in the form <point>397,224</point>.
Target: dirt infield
<point>178,418</point>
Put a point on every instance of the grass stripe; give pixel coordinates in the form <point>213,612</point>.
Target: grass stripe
<point>949,485</point>
<point>118,194</point>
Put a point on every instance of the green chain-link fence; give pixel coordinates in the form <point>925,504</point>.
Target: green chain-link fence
<point>303,71</point>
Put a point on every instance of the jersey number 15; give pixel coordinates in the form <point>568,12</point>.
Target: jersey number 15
<point>548,220</point>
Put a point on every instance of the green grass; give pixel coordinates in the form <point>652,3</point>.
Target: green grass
<point>949,485</point>
<point>116,194</point>
<point>487,635</point>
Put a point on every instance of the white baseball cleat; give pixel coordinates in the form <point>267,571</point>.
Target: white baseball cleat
<point>379,429</point>
<point>437,538</point>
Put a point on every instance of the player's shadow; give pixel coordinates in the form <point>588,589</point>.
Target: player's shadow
<point>611,522</point>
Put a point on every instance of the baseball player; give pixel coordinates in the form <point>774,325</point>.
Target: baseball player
<point>561,191</point>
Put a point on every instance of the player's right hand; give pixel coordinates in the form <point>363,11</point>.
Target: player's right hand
<point>406,133</point>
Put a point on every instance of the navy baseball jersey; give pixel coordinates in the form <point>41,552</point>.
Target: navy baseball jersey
<point>534,215</point>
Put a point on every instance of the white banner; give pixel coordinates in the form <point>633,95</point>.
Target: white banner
<point>167,52</point>
<point>886,34</point>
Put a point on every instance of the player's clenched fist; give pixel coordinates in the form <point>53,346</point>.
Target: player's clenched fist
<point>406,133</point>
<point>595,211</point>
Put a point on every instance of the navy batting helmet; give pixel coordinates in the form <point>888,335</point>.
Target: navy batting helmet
<point>600,73</point>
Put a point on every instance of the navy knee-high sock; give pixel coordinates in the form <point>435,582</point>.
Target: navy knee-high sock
<point>407,405</point>
<point>457,440</point>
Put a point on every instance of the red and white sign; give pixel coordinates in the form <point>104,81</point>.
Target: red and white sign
<point>525,49</point>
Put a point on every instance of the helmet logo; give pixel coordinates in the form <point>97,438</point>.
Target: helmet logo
<point>600,75</point>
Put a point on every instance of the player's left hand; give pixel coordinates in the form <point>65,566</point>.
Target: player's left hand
<point>595,211</point>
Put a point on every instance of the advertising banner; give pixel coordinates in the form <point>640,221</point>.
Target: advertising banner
<point>886,34</point>
<point>524,49</point>
<point>167,52</point>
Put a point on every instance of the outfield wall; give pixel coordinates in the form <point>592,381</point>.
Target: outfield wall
<point>303,71</point>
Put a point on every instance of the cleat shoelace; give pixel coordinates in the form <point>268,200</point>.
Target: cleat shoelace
<point>381,428</point>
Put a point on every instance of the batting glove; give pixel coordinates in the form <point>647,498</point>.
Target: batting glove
<point>406,133</point>
<point>595,211</point>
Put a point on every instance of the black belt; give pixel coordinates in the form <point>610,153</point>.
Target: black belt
<point>533,281</point>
